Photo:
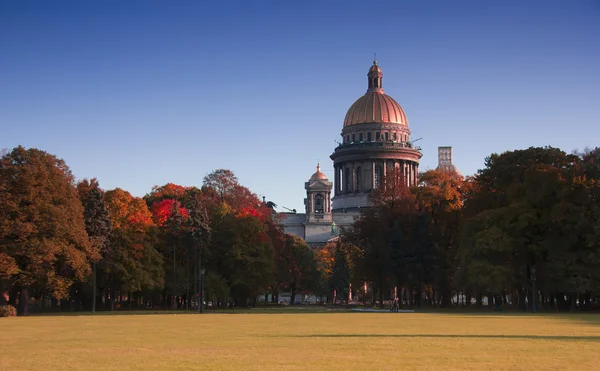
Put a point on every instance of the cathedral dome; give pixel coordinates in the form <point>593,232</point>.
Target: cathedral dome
<point>375,105</point>
<point>318,175</point>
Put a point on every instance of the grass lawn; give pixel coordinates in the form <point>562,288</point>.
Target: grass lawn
<point>300,341</point>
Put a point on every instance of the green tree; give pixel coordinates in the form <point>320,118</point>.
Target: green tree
<point>300,266</point>
<point>529,222</point>
<point>97,223</point>
<point>339,281</point>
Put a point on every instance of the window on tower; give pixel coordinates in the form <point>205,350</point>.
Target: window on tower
<point>319,203</point>
<point>377,136</point>
<point>369,137</point>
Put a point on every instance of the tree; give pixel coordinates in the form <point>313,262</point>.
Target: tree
<point>297,266</point>
<point>339,281</point>
<point>97,223</point>
<point>133,263</point>
<point>441,197</point>
<point>529,220</point>
<point>42,229</point>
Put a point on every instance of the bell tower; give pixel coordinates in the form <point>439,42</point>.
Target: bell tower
<point>318,198</point>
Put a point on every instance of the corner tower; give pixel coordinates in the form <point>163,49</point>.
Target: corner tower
<point>318,198</point>
<point>375,138</point>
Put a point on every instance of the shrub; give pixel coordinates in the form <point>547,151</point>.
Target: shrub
<point>7,311</point>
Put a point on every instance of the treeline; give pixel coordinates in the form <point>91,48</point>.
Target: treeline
<point>523,232</point>
<point>72,246</point>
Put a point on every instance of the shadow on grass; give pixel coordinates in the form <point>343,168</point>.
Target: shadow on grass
<point>449,336</point>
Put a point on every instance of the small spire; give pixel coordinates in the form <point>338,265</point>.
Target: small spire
<point>375,59</point>
<point>318,166</point>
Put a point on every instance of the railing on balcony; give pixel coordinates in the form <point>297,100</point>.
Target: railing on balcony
<point>381,144</point>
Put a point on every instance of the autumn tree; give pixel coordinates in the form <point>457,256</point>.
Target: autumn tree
<point>241,247</point>
<point>441,196</point>
<point>383,238</point>
<point>297,266</point>
<point>44,246</point>
<point>133,264</point>
<point>325,260</point>
<point>199,229</point>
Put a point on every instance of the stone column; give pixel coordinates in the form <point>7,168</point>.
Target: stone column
<point>416,173</point>
<point>336,179</point>
<point>403,169</point>
<point>373,175</point>
<point>353,179</point>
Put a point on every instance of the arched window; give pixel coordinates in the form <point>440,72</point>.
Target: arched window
<point>319,203</point>
<point>378,175</point>
<point>358,180</point>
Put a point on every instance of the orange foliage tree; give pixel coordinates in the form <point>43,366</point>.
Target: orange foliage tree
<point>44,246</point>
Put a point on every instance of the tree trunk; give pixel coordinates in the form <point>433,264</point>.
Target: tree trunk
<point>293,296</point>
<point>14,295</point>
<point>23,308</point>
<point>94,287</point>
<point>522,303</point>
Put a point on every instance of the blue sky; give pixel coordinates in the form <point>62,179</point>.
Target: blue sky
<point>141,93</point>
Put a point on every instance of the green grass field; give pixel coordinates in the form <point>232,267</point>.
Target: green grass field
<point>300,341</point>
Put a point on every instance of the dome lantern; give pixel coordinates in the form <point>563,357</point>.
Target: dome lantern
<point>375,78</point>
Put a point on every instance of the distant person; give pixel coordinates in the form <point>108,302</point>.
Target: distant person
<point>395,306</point>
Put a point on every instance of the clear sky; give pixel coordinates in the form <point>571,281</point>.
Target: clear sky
<point>141,93</point>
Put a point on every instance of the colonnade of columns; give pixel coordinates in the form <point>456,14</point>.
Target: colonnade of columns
<point>361,176</point>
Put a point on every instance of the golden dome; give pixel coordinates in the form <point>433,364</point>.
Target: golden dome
<point>375,105</point>
<point>318,175</point>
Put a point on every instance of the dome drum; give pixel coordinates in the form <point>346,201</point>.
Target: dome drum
<point>375,133</point>
<point>355,152</point>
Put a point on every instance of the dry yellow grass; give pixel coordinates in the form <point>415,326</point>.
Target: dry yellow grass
<point>301,341</point>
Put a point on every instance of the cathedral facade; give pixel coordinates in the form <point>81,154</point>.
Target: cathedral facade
<point>375,139</point>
